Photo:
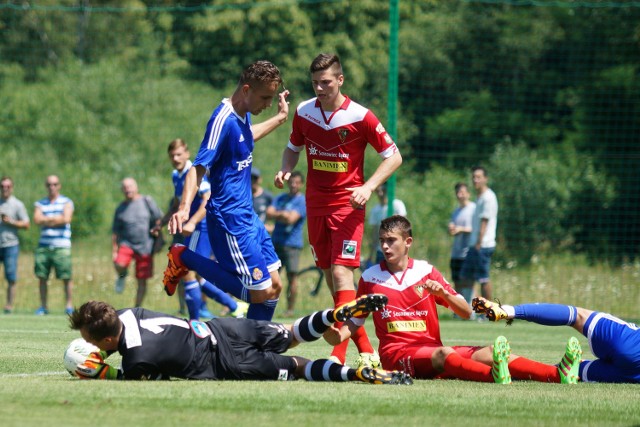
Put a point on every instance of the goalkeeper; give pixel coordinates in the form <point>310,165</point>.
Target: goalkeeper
<point>157,346</point>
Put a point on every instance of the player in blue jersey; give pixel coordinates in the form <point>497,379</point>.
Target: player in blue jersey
<point>246,264</point>
<point>615,342</point>
<point>195,231</point>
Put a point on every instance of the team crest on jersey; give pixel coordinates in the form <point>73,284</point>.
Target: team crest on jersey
<point>257,274</point>
<point>349,249</point>
<point>342,134</point>
<point>419,290</point>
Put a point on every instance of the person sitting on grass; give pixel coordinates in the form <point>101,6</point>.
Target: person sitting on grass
<point>409,331</point>
<point>615,342</point>
<point>157,346</point>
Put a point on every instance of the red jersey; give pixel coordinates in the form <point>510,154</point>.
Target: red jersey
<point>335,145</point>
<point>410,317</point>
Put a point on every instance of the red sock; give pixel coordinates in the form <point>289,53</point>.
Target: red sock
<point>467,369</point>
<point>522,368</point>
<point>340,350</point>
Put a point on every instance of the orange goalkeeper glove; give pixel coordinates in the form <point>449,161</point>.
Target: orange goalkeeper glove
<point>95,368</point>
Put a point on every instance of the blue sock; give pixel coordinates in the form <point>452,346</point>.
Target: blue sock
<point>262,311</point>
<point>547,314</point>
<point>193,298</point>
<point>218,295</point>
<point>211,271</point>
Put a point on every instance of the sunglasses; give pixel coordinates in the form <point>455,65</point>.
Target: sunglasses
<point>52,184</point>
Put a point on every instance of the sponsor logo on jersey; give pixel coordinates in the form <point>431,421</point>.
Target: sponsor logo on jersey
<point>342,134</point>
<point>257,274</point>
<point>349,249</point>
<point>245,163</point>
<point>313,151</point>
<point>241,138</point>
<point>311,118</point>
<point>199,329</point>
<point>407,326</point>
<point>380,129</point>
<point>388,139</point>
<point>329,166</point>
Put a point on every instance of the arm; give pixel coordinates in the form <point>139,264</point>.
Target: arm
<point>16,223</point>
<point>173,208</point>
<point>114,246</point>
<point>191,185</point>
<point>285,217</point>
<point>481,232</point>
<point>56,220</point>
<point>189,227</point>
<point>457,304</point>
<point>261,130</point>
<point>289,162</point>
<point>386,168</point>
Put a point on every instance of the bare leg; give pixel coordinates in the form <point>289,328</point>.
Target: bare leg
<point>11,295</point>
<point>142,290</point>
<point>68,292</point>
<point>43,293</point>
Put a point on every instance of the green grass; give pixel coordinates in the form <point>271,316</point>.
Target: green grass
<point>35,390</point>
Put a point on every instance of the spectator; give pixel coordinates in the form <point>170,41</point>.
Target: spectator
<point>262,198</point>
<point>335,131</point>
<point>13,217</point>
<point>54,214</point>
<point>377,214</point>
<point>482,242</point>
<point>134,221</point>
<point>460,229</point>
<point>289,211</point>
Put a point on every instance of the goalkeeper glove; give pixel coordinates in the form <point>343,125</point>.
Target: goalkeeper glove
<point>95,368</point>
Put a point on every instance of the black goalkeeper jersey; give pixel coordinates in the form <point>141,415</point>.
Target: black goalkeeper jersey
<point>157,346</point>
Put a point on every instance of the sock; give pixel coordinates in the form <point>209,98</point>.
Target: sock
<point>341,297</point>
<point>547,314</point>
<point>211,271</point>
<point>218,295</point>
<point>311,328</point>
<point>526,369</point>
<point>326,370</point>
<point>262,311</point>
<point>467,369</point>
<point>193,298</point>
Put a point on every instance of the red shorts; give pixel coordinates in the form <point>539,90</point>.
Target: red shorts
<point>144,263</point>
<point>416,361</point>
<point>336,238</point>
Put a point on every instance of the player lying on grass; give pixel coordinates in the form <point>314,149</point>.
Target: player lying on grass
<point>409,330</point>
<point>158,346</point>
<point>615,342</point>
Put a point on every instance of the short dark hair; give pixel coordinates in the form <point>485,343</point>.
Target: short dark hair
<point>297,173</point>
<point>459,185</point>
<point>324,61</point>
<point>480,168</point>
<point>260,72</point>
<point>397,223</point>
<point>176,143</point>
<point>97,318</point>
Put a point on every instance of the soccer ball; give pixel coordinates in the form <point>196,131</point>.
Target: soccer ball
<point>77,353</point>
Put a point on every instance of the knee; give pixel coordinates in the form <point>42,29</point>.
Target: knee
<point>439,356</point>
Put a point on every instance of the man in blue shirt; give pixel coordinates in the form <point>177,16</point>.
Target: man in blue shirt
<point>246,264</point>
<point>289,211</point>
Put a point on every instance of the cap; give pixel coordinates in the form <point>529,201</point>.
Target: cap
<point>255,172</point>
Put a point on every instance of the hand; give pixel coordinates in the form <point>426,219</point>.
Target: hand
<point>434,288</point>
<point>95,368</point>
<point>177,219</point>
<point>359,196</point>
<point>283,104</point>
<point>155,231</point>
<point>452,229</point>
<point>280,179</point>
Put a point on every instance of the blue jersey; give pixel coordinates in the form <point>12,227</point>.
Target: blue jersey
<point>226,153</point>
<point>616,343</point>
<point>178,185</point>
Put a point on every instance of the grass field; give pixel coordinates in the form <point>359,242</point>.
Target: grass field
<point>36,390</point>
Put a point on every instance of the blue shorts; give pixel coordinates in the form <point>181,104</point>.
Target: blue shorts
<point>250,254</point>
<point>199,243</point>
<point>9,257</point>
<point>476,265</point>
<point>616,343</point>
